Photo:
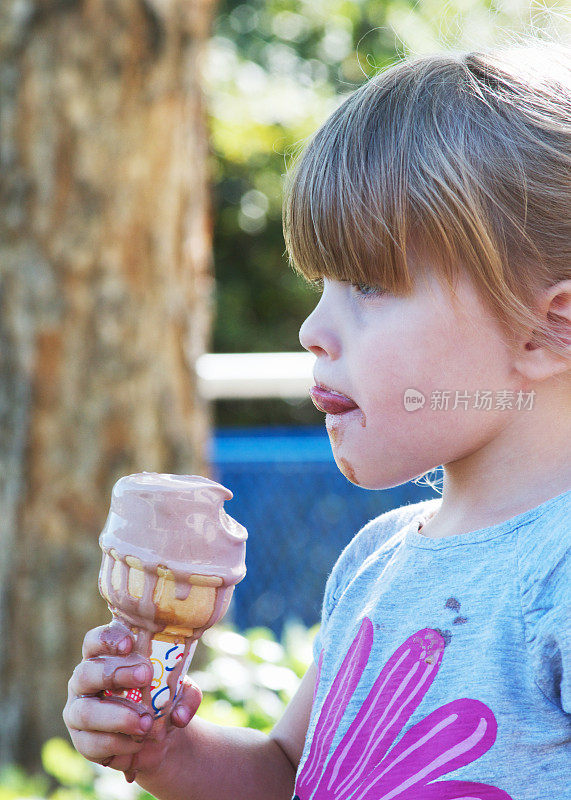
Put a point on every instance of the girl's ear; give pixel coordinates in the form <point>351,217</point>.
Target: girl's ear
<point>537,362</point>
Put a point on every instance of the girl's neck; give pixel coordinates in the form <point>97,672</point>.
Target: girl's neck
<point>525,464</point>
<point>436,527</point>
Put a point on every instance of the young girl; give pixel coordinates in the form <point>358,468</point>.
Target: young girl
<point>434,208</point>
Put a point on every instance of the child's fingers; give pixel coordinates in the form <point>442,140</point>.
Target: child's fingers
<point>113,639</point>
<point>187,704</point>
<point>101,747</point>
<point>105,716</point>
<point>122,763</point>
<point>111,672</point>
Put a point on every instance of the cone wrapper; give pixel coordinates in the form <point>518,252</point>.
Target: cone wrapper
<point>170,661</point>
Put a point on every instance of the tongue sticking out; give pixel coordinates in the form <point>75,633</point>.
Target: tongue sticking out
<point>331,402</point>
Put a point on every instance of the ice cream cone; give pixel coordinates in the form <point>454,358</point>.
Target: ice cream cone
<point>171,558</point>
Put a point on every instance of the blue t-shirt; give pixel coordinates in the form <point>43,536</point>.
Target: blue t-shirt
<point>444,665</point>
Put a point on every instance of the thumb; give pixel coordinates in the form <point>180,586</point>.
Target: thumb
<point>187,703</point>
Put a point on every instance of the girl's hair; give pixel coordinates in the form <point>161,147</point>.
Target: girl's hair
<point>457,161</point>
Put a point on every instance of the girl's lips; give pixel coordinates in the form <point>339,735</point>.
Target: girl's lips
<point>331,402</point>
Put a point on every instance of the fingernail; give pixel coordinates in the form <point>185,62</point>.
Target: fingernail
<point>141,673</point>
<point>182,714</point>
<point>145,723</point>
<point>123,645</point>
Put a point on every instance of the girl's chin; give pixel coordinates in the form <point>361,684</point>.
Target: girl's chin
<point>347,469</point>
<point>337,425</point>
<point>366,476</point>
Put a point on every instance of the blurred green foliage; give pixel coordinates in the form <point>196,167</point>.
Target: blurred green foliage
<point>250,678</point>
<point>274,72</point>
<point>247,679</point>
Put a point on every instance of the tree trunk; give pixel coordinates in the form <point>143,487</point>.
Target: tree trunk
<point>105,283</point>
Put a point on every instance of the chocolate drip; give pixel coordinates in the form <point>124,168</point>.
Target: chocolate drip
<point>218,612</point>
<point>182,589</point>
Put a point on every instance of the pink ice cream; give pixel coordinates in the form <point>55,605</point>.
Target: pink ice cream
<point>178,522</point>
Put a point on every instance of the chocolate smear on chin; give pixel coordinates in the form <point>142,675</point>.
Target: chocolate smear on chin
<point>347,470</point>
<point>335,435</point>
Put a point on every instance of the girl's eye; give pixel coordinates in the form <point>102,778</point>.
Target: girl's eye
<point>366,290</point>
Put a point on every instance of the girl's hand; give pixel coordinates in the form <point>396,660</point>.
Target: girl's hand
<point>112,733</point>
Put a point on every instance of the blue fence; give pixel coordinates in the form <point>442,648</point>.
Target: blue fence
<point>299,511</point>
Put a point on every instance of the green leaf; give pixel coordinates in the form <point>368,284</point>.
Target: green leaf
<point>255,634</point>
<point>71,794</point>
<point>222,712</point>
<point>15,784</point>
<point>66,765</point>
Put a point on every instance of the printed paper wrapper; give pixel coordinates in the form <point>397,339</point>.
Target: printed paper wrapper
<point>166,658</point>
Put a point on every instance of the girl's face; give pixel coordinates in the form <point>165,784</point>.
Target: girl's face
<point>374,350</point>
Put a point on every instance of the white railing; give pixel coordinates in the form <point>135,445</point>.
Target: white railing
<point>248,375</point>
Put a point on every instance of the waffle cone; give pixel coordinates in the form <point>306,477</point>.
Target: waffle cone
<point>182,609</point>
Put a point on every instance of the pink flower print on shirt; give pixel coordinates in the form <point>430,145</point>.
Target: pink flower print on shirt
<point>363,765</point>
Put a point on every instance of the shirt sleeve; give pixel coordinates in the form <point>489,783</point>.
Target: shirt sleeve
<point>546,604</point>
<point>336,582</point>
<point>367,541</point>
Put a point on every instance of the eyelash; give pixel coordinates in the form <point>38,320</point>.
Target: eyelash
<point>363,289</point>
<point>368,291</point>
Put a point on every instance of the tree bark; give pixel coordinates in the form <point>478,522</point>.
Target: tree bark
<point>105,284</point>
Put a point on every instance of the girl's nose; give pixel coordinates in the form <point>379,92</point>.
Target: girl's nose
<point>317,335</point>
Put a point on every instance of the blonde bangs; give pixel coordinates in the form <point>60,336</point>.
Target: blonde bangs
<point>444,163</point>
<point>359,205</point>
<point>338,224</point>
